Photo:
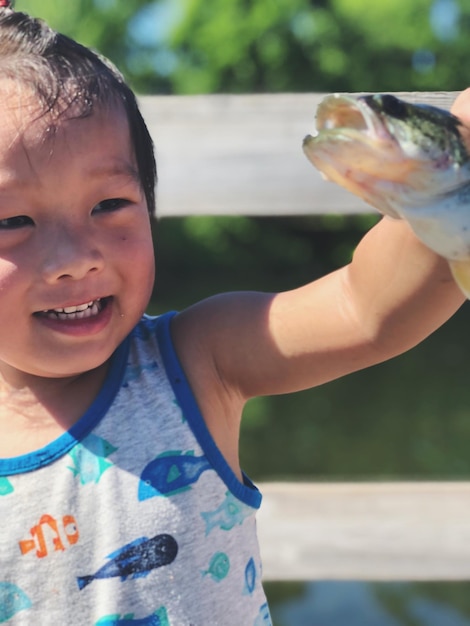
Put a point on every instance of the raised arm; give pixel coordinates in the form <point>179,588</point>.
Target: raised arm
<point>392,295</point>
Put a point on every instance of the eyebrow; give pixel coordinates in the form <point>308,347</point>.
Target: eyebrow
<point>114,169</point>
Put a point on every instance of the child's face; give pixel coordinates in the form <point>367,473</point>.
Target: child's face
<point>74,231</point>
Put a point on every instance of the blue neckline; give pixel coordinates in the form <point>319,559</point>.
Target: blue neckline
<point>63,444</point>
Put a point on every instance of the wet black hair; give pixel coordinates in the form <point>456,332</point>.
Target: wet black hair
<point>69,77</point>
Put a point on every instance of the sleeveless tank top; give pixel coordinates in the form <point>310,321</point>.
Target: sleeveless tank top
<point>133,516</point>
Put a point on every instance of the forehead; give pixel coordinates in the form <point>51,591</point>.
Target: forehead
<point>28,134</point>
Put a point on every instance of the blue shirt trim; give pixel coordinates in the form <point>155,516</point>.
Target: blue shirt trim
<point>247,492</point>
<point>64,443</point>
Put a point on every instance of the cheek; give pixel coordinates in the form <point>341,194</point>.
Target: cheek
<point>137,254</point>
<point>9,275</point>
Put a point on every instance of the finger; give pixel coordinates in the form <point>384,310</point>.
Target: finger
<point>461,106</point>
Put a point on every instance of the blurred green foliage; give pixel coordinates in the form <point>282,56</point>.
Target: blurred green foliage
<point>232,46</point>
<point>318,45</point>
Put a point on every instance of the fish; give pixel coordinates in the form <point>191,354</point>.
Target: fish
<point>5,486</point>
<point>250,577</point>
<point>219,567</point>
<point>409,161</point>
<point>171,473</point>
<point>159,618</point>
<point>12,601</point>
<point>136,559</point>
<point>264,618</point>
<point>89,459</point>
<point>230,513</point>
<point>134,372</point>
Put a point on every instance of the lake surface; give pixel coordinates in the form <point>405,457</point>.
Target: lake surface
<point>326,603</point>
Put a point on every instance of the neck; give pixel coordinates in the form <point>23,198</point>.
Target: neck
<point>35,411</point>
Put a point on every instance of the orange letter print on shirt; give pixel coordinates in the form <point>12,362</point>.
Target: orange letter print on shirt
<point>48,531</point>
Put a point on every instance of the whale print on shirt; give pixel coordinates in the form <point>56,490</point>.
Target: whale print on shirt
<point>136,559</point>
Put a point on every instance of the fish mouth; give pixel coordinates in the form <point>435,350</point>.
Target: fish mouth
<point>351,114</point>
<point>354,137</point>
<point>356,148</point>
<point>82,311</point>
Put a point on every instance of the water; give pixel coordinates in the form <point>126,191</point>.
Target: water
<point>327,603</point>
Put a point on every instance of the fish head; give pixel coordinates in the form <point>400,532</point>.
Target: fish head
<point>409,161</point>
<point>391,153</point>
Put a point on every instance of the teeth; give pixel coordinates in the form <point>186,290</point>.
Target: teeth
<point>78,312</point>
<point>75,309</point>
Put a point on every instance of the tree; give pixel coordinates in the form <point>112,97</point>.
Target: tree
<point>318,45</point>
<point>233,46</point>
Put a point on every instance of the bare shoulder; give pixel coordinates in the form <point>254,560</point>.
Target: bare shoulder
<point>202,336</point>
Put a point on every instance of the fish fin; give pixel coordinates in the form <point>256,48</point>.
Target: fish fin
<point>461,273</point>
<point>142,574</point>
<point>74,470</point>
<point>83,581</point>
<point>170,453</point>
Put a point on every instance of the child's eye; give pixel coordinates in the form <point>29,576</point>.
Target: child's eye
<point>112,204</point>
<point>19,221</point>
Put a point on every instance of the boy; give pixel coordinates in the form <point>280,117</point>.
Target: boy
<point>122,497</point>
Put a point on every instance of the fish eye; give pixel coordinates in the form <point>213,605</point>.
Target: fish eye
<point>387,104</point>
<point>393,106</point>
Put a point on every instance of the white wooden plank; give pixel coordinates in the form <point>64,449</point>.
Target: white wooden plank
<point>365,531</point>
<point>242,154</point>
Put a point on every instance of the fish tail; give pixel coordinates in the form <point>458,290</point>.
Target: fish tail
<point>83,581</point>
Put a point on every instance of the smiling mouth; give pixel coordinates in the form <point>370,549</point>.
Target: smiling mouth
<point>78,312</point>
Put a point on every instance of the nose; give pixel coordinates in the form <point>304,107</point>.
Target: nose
<point>70,252</point>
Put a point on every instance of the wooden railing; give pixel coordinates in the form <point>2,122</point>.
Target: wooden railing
<point>242,155</point>
<point>221,155</point>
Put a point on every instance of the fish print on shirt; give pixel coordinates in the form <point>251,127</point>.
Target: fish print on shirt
<point>145,332</point>
<point>90,459</point>
<point>50,533</point>
<point>134,372</point>
<point>263,619</point>
<point>230,513</point>
<point>12,601</point>
<point>219,567</point>
<point>170,473</point>
<point>5,486</point>
<point>136,559</point>
<point>159,618</point>
<point>250,577</point>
